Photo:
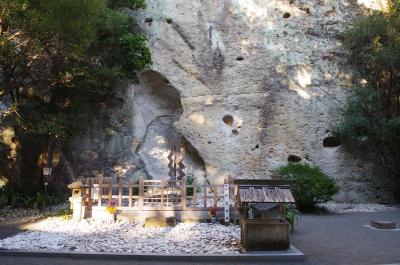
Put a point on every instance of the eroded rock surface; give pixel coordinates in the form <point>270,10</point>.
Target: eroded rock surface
<point>248,85</point>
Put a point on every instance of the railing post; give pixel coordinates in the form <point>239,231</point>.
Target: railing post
<point>183,192</point>
<point>162,194</point>
<point>90,184</point>
<point>130,193</point>
<point>141,192</point>
<point>215,196</point>
<point>205,193</point>
<point>119,192</point>
<point>100,193</point>
<point>110,189</point>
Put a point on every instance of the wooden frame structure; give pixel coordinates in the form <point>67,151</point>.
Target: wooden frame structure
<point>147,198</point>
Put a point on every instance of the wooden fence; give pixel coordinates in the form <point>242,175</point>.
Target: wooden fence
<point>160,195</point>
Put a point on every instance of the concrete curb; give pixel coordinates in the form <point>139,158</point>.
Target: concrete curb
<point>293,254</point>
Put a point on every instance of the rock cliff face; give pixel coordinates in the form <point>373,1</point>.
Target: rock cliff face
<point>239,87</point>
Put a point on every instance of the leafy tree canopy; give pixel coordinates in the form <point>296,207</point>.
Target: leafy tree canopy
<point>58,56</point>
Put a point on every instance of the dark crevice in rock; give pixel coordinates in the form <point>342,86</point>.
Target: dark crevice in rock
<point>331,141</point>
<point>148,21</point>
<point>190,73</point>
<point>239,58</point>
<point>293,159</point>
<point>183,35</point>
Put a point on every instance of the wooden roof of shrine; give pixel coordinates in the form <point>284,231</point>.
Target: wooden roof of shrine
<point>261,191</point>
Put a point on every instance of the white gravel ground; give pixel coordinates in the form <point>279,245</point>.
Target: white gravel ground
<point>57,234</point>
<point>357,207</point>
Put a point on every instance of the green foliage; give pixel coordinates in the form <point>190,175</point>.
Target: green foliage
<point>290,215</point>
<point>310,185</point>
<point>66,214</point>
<point>371,116</point>
<point>189,181</point>
<point>56,56</point>
<point>27,198</point>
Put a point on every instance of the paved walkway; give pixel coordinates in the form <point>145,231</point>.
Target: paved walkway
<point>325,240</point>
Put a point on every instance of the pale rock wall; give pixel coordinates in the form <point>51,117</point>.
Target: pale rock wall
<point>277,67</point>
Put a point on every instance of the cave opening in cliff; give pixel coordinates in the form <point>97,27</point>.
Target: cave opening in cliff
<point>159,108</point>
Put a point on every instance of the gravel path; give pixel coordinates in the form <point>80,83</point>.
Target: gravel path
<point>58,234</point>
<point>324,239</point>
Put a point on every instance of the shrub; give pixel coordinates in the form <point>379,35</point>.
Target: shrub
<point>310,185</point>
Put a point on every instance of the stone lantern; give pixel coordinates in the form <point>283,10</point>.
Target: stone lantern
<point>77,200</point>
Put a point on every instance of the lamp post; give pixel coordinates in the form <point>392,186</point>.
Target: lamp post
<point>46,174</point>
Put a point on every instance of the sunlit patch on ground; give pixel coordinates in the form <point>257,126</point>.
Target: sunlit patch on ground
<point>57,234</point>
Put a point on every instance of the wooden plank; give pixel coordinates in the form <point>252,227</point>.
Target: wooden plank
<point>141,192</point>
<point>205,195</point>
<point>215,196</point>
<point>130,193</point>
<point>100,193</point>
<point>119,192</point>
<point>226,201</point>
<point>110,186</point>
<point>265,182</point>
<point>162,184</point>
<point>90,193</point>
<point>183,194</point>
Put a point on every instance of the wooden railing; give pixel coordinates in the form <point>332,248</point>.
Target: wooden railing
<point>154,194</point>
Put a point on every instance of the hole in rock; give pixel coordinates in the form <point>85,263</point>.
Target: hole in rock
<point>286,15</point>
<point>239,58</point>
<point>168,20</point>
<point>235,132</point>
<point>228,120</point>
<point>306,9</point>
<point>293,159</point>
<point>331,141</point>
<point>148,21</point>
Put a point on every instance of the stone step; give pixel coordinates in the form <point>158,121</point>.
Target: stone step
<point>383,225</point>
<point>160,221</point>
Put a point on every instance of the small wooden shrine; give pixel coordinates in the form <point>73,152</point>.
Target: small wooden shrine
<point>263,223</point>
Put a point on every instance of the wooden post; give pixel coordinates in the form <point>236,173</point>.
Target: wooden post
<point>194,198</point>
<point>226,201</point>
<point>141,192</point>
<point>110,191</point>
<point>205,193</point>
<point>100,190</point>
<point>119,192</point>
<point>90,184</point>
<point>130,193</point>
<point>162,194</point>
<point>215,196</point>
<point>183,192</point>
